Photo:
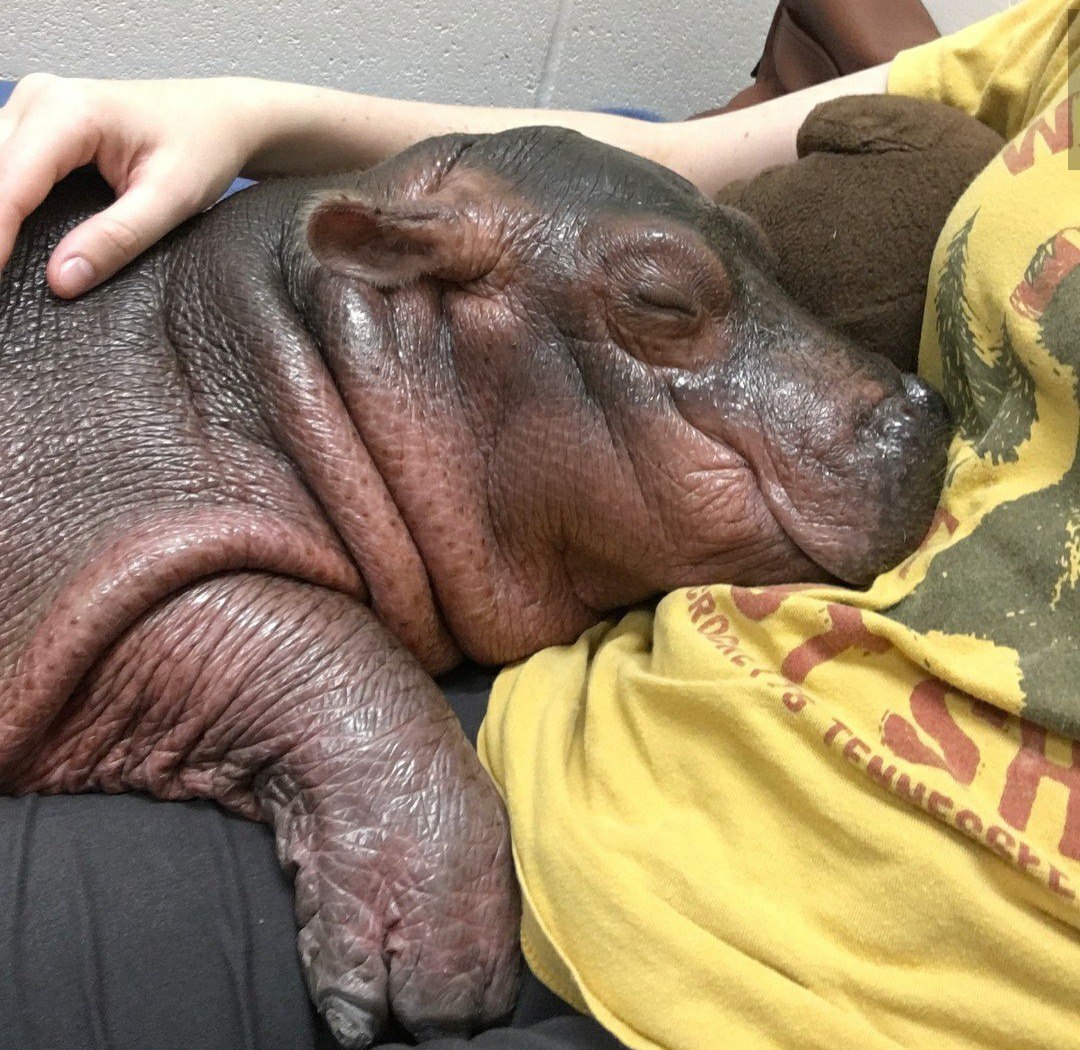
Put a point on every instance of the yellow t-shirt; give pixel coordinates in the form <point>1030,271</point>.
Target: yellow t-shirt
<point>818,817</point>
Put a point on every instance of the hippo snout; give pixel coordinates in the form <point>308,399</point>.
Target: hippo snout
<point>903,446</point>
<point>853,481</point>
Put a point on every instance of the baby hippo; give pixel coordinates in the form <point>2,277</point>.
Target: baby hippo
<point>335,433</point>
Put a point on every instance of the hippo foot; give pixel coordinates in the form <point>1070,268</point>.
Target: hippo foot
<point>420,927</point>
<point>398,843</point>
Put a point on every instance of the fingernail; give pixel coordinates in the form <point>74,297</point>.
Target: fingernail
<point>75,275</point>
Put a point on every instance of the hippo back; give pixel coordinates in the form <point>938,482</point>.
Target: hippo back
<point>136,452</point>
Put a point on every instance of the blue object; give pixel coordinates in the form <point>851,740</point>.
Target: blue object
<point>635,112</point>
<point>237,184</point>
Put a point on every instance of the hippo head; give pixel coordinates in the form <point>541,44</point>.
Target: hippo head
<point>584,387</point>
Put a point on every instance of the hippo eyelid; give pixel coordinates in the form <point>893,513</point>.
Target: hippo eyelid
<point>639,258</point>
<point>667,300</point>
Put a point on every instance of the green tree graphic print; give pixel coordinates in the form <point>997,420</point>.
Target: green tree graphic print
<point>1014,579</point>
<point>993,402</point>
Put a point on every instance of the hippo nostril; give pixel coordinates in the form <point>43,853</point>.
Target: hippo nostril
<point>895,429</point>
<point>880,417</point>
<point>915,408</point>
<point>916,388</point>
<point>922,395</point>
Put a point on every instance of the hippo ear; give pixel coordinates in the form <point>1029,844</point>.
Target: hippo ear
<point>391,244</point>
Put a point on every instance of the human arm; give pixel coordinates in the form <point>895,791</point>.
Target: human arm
<point>321,129</point>
<point>170,148</point>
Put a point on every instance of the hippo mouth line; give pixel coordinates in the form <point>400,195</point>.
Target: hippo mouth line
<point>796,528</point>
<point>793,524</point>
<point>752,454</point>
<point>785,513</point>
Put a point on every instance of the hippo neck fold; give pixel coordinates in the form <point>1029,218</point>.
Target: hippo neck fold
<point>430,426</point>
<point>245,284</point>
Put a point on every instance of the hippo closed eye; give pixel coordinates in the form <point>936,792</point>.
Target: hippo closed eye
<point>335,433</point>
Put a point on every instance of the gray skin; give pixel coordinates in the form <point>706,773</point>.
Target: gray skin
<point>334,434</point>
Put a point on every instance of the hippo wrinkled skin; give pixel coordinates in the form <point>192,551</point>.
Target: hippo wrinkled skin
<point>337,432</point>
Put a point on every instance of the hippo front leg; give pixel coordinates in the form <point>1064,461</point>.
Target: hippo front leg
<point>292,704</point>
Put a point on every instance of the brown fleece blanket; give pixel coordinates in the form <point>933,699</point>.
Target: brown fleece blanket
<point>854,221</point>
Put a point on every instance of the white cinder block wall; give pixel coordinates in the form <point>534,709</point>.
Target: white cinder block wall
<point>675,57</point>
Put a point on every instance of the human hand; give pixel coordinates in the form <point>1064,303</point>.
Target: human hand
<point>168,148</point>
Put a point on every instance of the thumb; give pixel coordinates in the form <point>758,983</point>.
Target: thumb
<point>98,247</point>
